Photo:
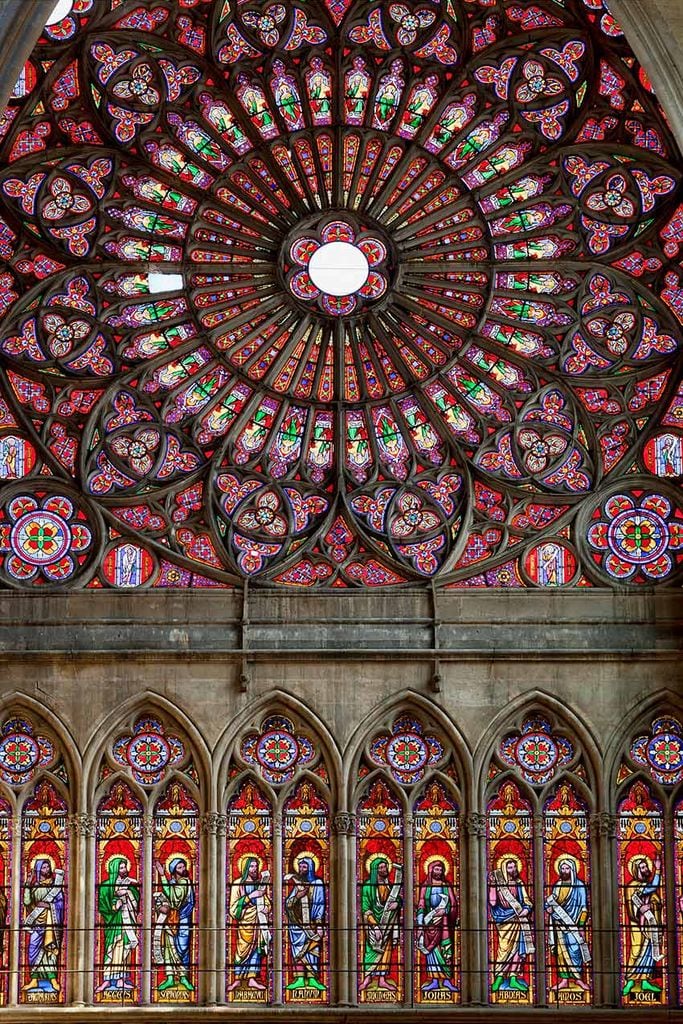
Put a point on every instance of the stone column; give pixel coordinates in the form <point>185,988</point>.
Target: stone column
<point>81,953</point>
<point>211,949</point>
<point>276,889</point>
<point>147,926</point>
<point>342,919</point>
<point>474,912</point>
<point>538,881</point>
<point>16,909</point>
<point>605,910</point>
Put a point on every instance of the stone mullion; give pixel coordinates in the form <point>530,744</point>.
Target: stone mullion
<point>408,909</point>
<point>276,891</point>
<point>604,910</point>
<point>81,951</point>
<point>474,914</point>
<point>16,909</point>
<point>146,959</point>
<point>669,896</point>
<point>211,981</point>
<point>341,911</point>
<point>538,931</point>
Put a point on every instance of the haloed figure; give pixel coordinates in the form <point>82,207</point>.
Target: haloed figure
<point>250,909</point>
<point>119,903</point>
<point>174,908</point>
<point>380,907</point>
<point>437,915</point>
<point>567,908</point>
<point>44,921</point>
<point>510,907</point>
<point>305,907</point>
<point>644,910</point>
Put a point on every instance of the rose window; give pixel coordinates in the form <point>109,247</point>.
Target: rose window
<point>338,294</point>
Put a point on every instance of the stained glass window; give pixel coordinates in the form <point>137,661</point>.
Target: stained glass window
<point>338,294</point>
<point>408,768</point>
<point>147,893</point>
<point>649,855</point>
<point>278,867</point>
<point>539,893</point>
<point>34,864</point>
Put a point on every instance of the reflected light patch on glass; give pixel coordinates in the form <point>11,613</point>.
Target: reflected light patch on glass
<point>60,11</point>
<point>165,283</point>
<point>338,268</point>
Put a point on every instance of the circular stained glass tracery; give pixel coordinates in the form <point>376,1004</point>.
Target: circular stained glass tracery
<point>186,342</point>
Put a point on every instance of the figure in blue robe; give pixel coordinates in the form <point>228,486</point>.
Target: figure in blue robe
<point>305,907</point>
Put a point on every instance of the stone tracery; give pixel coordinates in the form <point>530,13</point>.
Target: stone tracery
<point>511,355</point>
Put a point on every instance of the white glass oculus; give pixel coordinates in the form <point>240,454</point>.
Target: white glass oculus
<point>59,11</point>
<point>338,268</point>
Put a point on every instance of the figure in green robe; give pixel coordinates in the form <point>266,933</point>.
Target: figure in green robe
<point>118,901</point>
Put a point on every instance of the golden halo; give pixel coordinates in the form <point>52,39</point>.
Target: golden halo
<point>243,860</point>
<point>370,860</point>
<point>43,856</point>
<point>307,853</point>
<point>510,856</point>
<point>177,856</point>
<point>567,856</point>
<point>116,856</point>
<point>636,857</point>
<point>428,861</point>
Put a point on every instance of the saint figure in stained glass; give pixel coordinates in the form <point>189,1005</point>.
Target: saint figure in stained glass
<point>380,907</point>
<point>436,918</point>
<point>567,908</point>
<point>119,906</point>
<point>44,898</point>
<point>44,922</point>
<point>250,909</point>
<point>644,908</point>
<point>174,904</point>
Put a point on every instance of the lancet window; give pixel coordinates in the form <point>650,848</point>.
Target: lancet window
<point>35,865</point>
<point>278,886</point>
<point>650,866</point>
<point>538,859</point>
<point>408,867</point>
<point>147,869</point>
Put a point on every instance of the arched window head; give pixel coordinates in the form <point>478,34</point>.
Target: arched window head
<point>650,864</point>
<point>660,751</point>
<point>408,765</point>
<point>279,750</point>
<point>26,750</point>
<point>539,849</point>
<point>278,865</point>
<point>351,295</point>
<point>149,752</point>
<point>537,751</point>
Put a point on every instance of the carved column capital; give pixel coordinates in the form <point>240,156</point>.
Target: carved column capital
<point>603,825</point>
<point>475,825</point>
<point>148,828</point>
<point>214,824</point>
<point>82,824</point>
<point>344,824</point>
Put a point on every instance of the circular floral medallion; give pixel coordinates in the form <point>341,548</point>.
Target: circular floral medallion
<point>340,294</point>
<point>407,752</point>
<point>537,753</point>
<point>277,751</point>
<point>636,534</point>
<point>19,752</point>
<point>148,753</point>
<point>45,538</point>
<point>665,752</point>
